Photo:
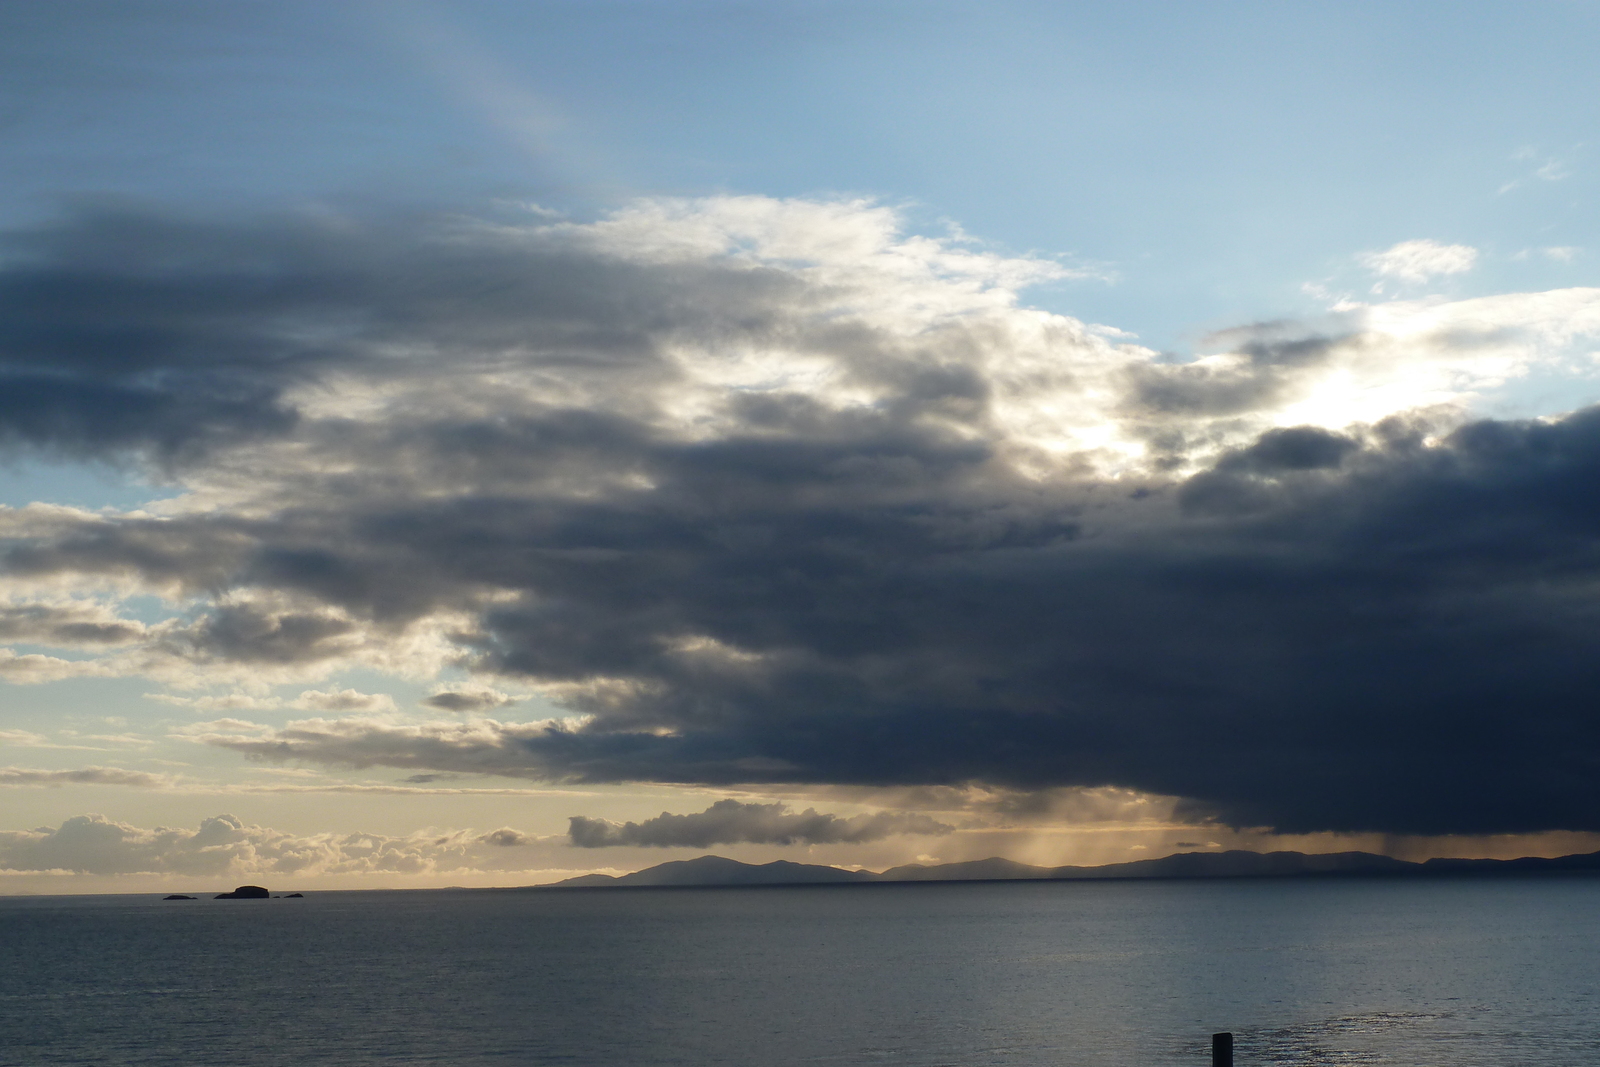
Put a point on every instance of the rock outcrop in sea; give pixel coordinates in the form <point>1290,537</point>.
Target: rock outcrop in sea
<point>244,892</point>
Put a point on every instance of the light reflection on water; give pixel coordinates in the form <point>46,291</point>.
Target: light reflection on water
<point>1345,973</point>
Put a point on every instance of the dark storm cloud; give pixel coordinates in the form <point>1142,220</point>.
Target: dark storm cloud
<point>1401,642</point>
<point>123,331</point>
<point>730,822</point>
<point>1246,479</point>
<point>564,451</point>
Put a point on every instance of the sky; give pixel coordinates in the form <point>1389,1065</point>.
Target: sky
<point>478,443</point>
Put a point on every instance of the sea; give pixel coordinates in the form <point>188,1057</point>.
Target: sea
<point>1352,971</point>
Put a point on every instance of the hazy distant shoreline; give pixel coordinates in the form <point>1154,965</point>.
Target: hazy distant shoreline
<point>720,871</point>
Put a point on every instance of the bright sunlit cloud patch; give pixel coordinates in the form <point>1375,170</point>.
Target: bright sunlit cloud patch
<point>1421,260</point>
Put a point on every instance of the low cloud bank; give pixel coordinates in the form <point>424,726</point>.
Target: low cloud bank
<point>82,776</point>
<point>729,822</point>
<point>227,846</point>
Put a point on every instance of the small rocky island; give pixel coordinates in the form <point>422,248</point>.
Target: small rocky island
<point>244,892</point>
<point>179,896</point>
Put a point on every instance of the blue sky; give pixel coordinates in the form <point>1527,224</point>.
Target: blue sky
<point>1203,164</point>
<point>1210,158</point>
<point>1244,260</point>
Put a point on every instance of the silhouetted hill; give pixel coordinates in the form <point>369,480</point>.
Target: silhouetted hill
<point>1589,861</point>
<point>1240,864</point>
<point>992,869</point>
<point>716,870</point>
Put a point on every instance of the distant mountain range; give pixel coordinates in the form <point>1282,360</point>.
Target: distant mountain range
<point>716,870</point>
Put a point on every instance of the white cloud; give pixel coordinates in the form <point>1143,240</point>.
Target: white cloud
<point>311,782</point>
<point>1418,261</point>
<point>1549,169</point>
<point>473,746</point>
<point>222,702</point>
<point>34,669</point>
<point>109,739</point>
<point>343,700</point>
<point>227,848</point>
<point>72,742</point>
<point>24,739</point>
<point>23,776</point>
<point>357,789</point>
<point>735,822</point>
<point>1554,253</point>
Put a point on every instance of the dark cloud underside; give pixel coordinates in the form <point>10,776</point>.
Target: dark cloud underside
<point>1403,644</point>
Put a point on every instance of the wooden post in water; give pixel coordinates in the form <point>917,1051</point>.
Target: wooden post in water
<point>1221,1050</point>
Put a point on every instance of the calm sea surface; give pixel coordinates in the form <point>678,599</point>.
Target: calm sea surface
<point>1493,971</point>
